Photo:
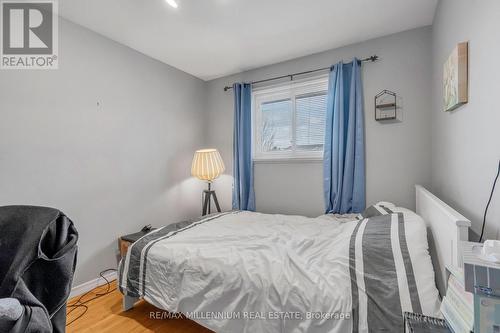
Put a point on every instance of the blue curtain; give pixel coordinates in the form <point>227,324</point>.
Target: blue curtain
<point>344,150</point>
<point>243,193</point>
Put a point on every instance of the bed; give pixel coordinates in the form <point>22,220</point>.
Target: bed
<point>252,272</point>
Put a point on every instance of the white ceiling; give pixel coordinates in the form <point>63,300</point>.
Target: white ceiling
<point>215,38</point>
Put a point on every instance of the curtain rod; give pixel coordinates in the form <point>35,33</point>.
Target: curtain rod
<point>373,58</point>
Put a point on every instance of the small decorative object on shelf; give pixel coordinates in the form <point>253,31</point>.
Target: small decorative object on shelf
<point>385,105</point>
<point>419,323</point>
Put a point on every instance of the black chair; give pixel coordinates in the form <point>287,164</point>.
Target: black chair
<point>37,262</point>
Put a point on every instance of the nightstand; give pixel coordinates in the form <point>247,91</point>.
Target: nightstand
<point>419,323</point>
<point>125,241</point>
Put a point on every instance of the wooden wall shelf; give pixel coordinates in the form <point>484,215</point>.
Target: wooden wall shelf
<point>385,110</point>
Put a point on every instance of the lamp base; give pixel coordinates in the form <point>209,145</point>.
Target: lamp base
<point>207,196</point>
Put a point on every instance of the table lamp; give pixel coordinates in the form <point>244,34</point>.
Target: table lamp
<point>207,165</point>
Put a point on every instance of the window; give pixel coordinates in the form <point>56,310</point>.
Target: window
<point>289,120</point>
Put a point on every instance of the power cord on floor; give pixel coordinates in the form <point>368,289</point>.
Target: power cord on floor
<point>80,303</point>
<point>488,204</point>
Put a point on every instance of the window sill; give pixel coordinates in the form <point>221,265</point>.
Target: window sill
<point>288,160</point>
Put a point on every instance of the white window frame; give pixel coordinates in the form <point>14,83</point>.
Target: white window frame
<point>289,90</point>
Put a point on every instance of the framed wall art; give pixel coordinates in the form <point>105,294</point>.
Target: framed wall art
<point>455,77</point>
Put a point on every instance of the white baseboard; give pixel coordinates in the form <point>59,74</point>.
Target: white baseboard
<point>89,285</point>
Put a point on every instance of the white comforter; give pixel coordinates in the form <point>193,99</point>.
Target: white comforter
<point>251,272</point>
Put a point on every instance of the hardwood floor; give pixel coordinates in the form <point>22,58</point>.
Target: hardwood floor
<point>105,314</point>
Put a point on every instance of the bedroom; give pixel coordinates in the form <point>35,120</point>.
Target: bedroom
<point>104,130</point>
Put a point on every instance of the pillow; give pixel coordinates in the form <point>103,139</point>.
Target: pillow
<point>381,208</point>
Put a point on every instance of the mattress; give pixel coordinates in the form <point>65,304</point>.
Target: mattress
<point>252,272</point>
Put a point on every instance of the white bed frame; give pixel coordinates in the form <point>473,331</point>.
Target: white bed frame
<point>446,228</point>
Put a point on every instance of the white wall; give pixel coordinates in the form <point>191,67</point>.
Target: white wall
<point>466,142</point>
<point>112,168</point>
<point>397,154</point>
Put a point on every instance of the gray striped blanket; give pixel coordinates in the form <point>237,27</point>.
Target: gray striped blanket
<point>251,272</point>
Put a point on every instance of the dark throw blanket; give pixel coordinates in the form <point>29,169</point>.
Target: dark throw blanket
<point>37,262</point>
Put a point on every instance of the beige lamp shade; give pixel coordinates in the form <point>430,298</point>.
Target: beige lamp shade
<point>207,164</point>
